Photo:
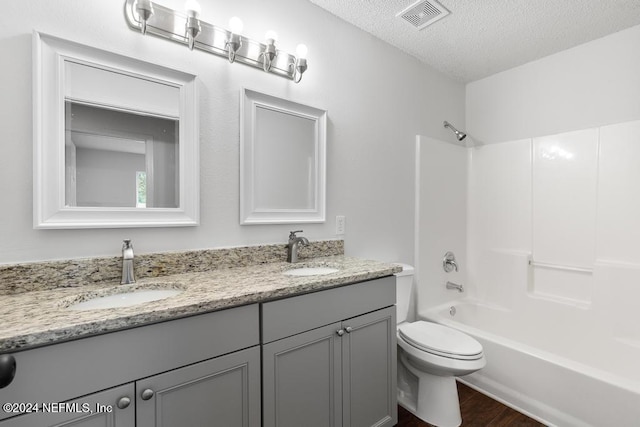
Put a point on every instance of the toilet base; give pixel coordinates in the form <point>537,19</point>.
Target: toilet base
<point>437,398</point>
<point>438,402</point>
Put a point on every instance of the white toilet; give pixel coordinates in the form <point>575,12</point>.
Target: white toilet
<point>430,356</point>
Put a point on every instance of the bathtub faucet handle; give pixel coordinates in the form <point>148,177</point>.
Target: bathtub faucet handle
<point>449,262</point>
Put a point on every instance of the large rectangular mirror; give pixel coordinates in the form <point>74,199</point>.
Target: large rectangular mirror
<point>282,167</point>
<point>115,141</point>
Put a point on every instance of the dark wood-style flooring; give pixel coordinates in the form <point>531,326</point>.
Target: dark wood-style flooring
<point>477,410</point>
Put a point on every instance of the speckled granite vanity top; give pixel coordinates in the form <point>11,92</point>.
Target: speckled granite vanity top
<point>40,317</point>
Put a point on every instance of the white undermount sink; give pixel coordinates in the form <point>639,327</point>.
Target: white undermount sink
<point>124,299</point>
<point>310,271</point>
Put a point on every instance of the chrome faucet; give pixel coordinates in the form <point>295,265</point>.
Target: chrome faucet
<point>127,263</point>
<point>451,285</point>
<point>294,241</point>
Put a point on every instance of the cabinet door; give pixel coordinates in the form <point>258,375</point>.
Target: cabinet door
<point>224,392</point>
<point>369,370</point>
<point>110,408</point>
<point>302,380</point>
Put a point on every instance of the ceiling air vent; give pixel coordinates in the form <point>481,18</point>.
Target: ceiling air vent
<point>423,13</point>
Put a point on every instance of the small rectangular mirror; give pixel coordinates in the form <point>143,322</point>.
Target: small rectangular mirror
<point>115,140</point>
<point>282,168</point>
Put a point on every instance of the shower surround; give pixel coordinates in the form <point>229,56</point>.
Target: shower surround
<point>547,235</point>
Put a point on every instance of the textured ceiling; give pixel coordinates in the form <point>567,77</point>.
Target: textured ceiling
<point>483,37</point>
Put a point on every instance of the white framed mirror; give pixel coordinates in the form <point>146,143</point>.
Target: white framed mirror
<point>282,160</point>
<point>115,140</point>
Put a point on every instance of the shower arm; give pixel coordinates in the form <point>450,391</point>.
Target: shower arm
<point>459,135</point>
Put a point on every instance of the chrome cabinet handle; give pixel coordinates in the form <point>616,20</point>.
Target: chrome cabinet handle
<point>147,394</point>
<point>124,402</point>
<point>348,329</point>
<point>340,332</point>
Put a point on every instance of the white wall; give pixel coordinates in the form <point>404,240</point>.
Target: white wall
<point>591,85</point>
<point>377,98</point>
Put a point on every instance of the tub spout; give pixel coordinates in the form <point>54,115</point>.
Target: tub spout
<point>451,285</point>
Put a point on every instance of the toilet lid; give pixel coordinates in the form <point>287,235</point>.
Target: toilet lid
<point>441,340</point>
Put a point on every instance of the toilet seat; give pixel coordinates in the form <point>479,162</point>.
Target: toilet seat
<point>440,340</point>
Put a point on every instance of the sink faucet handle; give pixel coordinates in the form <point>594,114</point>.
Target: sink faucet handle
<point>292,234</point>
<point>127,249</point>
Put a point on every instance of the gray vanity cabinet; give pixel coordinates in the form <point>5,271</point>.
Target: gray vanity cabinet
<point>323,359</point>
<point>329,358</point>
<point>191,371</point>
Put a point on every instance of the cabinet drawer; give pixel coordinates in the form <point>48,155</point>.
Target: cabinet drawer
<point>290,316</point>
<point>63,371</point>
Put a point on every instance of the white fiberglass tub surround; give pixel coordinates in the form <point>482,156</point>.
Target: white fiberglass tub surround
<point>547,239</point>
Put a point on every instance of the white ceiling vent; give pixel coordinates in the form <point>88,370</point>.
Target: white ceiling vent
<point>423,13</point>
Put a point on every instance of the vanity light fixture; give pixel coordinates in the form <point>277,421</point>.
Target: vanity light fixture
<point>269,51</point>
<point>144,8</point>
<point>187,28</point>
<point>234,42</point>
<point>192,27</point>
<point>300,64</point>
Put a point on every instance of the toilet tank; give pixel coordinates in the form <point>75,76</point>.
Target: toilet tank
<point>404,287</point>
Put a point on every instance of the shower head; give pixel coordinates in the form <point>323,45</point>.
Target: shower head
<point>459,135</point>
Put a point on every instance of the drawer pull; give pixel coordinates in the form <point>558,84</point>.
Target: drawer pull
<point>147,394</point>
<point>7,369</point>
<point>124,402</point>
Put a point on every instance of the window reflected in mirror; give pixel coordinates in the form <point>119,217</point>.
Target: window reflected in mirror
<point>117,158</point>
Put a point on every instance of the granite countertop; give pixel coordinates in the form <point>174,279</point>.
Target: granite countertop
<point>39,318</point>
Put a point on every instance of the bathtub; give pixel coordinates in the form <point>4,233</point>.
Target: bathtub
<point>555,367</point>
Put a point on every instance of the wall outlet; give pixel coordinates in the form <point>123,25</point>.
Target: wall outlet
<point>340,224</point>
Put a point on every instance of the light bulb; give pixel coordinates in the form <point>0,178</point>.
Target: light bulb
<point>235,25</point>
<point>143,5</point>
<point>301,51</point>
<point>144,9</point>
<point>192,6</point>
<point>271,35</point>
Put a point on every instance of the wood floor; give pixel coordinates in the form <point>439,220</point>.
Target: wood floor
<point>477,410</point>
